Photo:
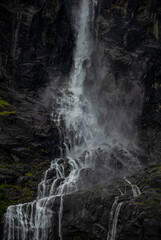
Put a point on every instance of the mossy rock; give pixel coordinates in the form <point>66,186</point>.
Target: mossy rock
<point>47,16</point>
<point>4,113</point>
<point>6,108</point>
<point>3,104</point>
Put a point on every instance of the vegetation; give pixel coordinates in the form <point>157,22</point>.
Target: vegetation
<point>8,190</point>
<point>3,103</point>
<point>28,174</point>
<point>3,106</point>
<point>7,113</point>
<point>47,16</point>
<point>2,166</point>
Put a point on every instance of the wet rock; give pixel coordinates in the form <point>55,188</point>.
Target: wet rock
<point>86,214</point>
<point>131,36</point>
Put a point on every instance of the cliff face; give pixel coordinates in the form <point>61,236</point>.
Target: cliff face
<point>35,37</point>
<point>36,45</point>
<point>131,32</point>
<point>86,214</point>
<point>36,42</point>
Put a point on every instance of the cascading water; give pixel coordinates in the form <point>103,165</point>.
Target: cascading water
<point>115,210</point>
<point>114,214</point>
<point>88,149</point>
<point>135,189</point>
<point>114,206</point>
<point>32,220</point>
<point>82,128</point>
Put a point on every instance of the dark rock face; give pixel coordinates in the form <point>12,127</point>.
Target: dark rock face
<point>35,42</point>
<point>142,216</point>
<point>131,36</point>
<point>86,214</point>
<point>39,38</point>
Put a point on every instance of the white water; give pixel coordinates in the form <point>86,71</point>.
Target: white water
<point>84,139</point>
<point>60,217</point>
<point>114,214</point>
<point>33,220</point>
<point>114,205</point>
<point>82,129</point>
<point>115,210</point>
<point>135,189</point>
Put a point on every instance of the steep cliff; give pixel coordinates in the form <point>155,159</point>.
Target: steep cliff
<point>36,46</point>
<point>131,35</point>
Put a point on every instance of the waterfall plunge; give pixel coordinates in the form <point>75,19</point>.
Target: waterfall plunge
<point>82,129</point>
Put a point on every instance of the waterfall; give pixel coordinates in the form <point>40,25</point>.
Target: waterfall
<point>82,129</point>
<point>115,210</point>
<point>114,214</point>
<point>60,217</point>
<point>90,152</point>
<point>135,189</point>
<point>33,220</point>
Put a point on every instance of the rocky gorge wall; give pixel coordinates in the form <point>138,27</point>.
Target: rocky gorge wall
<point>36,45</point>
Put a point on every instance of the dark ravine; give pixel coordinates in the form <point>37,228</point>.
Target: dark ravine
<point>36,45</point>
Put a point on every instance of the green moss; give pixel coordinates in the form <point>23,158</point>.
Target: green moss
<point>16,192</point>
<point>140,203</point>
<point>47,16</point>
<point>27,194</point>
<point>28,174</point>
<point>7,113</point>
<point>3,103</point>
<point>2,166</point>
